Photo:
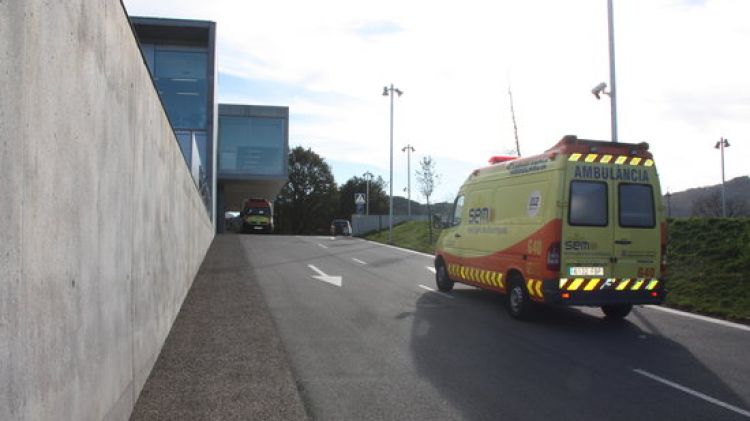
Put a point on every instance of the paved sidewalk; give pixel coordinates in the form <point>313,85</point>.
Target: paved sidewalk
<point>223,358</point>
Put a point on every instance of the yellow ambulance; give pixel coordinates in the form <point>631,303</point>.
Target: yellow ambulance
<point>581,225</point>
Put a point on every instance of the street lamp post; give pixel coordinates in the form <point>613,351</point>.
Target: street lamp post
<point>721,144</point>
<point>388,91</point>
<point>612,84</point>
<point>602,87</point>
<point>368,176</point>
<point>408,149</point>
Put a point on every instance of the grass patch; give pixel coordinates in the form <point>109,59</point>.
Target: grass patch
<point>413,235</point>
<point>708,262</point>
<point>709,266</point>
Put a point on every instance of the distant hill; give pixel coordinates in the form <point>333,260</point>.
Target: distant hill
<point>401,207</point>
<point>683,204</point>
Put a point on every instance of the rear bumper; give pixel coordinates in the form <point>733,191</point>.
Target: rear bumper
<point>257,227</point>
<point>553,294</point>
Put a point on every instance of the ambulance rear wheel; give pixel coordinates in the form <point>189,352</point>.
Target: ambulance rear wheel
<point>617,311</point>
<point>519,303</point>
<point>444,282</point>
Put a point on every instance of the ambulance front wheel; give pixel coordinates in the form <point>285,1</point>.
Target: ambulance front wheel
<point>444,282</point>
<point>519,303</point>
<point>617,311</point>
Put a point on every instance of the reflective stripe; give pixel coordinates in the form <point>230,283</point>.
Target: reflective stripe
<point>621,160</point>
<point>563,281</point>
<point>576,283</point>
<point>605,159</point>
<point>623,284</point>
<point>592,284</point>
<point>635,161</point>
<point>652,284</point>
<point>649,163</point>
<point>591,157</point>
<point>530,286</point>
<point>539,289</point>
<point>637,285</point>
<point>574,157</point>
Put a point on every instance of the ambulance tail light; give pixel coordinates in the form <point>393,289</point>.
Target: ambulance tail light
<point>553,256</point>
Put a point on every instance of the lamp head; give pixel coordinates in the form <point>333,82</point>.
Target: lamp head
<point>385,91</point>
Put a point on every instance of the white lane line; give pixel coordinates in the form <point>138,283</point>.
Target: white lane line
<point>436,292</point>
<point>430,268</point>
<point>322,246</point>
<point>359,261</point>
<point>399,248</point>
<point>699,317</point>
<point>693,392</point>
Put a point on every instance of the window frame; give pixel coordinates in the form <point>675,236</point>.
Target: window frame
<point>620,202</point>
<point>453,222</point>
<point>606,203</point>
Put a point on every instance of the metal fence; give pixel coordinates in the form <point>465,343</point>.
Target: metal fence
<point>362,224</point>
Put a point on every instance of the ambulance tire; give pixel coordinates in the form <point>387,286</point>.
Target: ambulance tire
<point>443,281</point>
<point>520,305</point>
<point>616,311</point>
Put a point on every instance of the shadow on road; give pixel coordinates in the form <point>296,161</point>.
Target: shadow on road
<point>564,364</point>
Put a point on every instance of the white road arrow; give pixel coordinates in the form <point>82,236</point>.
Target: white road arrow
<point>333,280</point>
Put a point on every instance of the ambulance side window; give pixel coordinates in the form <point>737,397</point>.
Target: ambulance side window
<point>588,204</point>
<point>458,208</point>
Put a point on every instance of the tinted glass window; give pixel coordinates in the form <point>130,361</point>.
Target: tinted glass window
<point>636,206</point>
<point>588,204</point>
<point>251,145</point>
<point>458,208</point>
<point>181,79</point>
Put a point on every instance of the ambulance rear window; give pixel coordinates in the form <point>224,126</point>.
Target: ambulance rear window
<point>588,204</point>
<point>636,206</point>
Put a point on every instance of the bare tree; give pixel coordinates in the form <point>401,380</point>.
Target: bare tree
<point>427,179</point>
<point>710,206</point>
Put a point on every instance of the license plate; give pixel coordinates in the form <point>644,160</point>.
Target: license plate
<point>587,271</point>
<point>257,228</point>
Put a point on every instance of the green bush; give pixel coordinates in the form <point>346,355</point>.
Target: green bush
<point>709,266</point>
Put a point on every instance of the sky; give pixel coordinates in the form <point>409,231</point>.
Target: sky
<point>682,77</point>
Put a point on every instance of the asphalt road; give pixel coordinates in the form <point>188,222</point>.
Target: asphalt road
<point>381,345</point>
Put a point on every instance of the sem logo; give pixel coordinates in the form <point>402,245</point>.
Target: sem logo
<point>579,245</point>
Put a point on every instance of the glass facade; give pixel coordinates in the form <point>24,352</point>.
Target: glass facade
<point>180,74</point>
<point>252,146</point>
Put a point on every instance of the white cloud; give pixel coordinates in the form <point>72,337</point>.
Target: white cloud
<point>681,75</point>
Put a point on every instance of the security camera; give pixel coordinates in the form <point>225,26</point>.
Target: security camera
<point>600,89</point>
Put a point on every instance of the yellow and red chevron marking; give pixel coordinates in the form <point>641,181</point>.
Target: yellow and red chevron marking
<point>591,284</point>
<point>534,286</point>
<point>476,275</point>
<point>611,159</point>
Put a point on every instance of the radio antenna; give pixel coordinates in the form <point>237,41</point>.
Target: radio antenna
<point>513,116</point>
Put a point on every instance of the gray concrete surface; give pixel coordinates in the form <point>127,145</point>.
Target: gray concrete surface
<point>102,227</point>
<point>382,347</point>
<point>223,359</point>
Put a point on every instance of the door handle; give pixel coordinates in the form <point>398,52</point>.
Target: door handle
<point>457,235</point>
<point>623,242</point>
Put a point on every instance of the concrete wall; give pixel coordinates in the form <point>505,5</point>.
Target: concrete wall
<point>103,229</point>
<point>362,224</point>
